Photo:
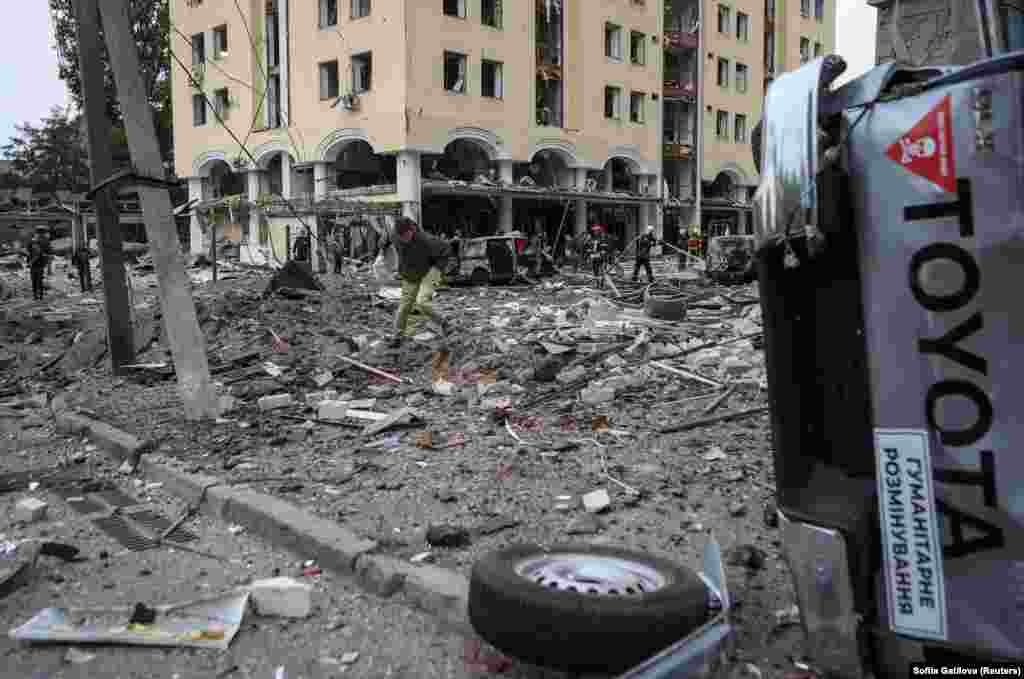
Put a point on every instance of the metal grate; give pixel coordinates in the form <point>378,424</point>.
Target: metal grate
<point>158,524</point>
<point>116,498</point>
<point>116,527</point>
<point>79,501</point>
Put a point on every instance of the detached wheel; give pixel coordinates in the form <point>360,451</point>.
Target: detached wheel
<point>583,607</point>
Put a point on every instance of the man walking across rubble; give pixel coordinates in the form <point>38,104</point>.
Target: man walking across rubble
<point>643,254</point>
<point>421,258</point>
<point>38,256</point>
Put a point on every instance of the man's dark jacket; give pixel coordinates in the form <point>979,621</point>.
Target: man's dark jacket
<point>644,245</point>
<point>416,257</point>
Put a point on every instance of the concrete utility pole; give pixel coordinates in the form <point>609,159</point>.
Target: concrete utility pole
<point>120,337</point>
<point>187,344</point>
<point>927,32</point>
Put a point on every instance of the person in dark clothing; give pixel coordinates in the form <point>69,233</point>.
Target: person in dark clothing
<point>80,257</point>
<point>38,256</point>
<point>421,259</point>
<point>600,248</point>
<point>301,249</point>
<point>643,255</point>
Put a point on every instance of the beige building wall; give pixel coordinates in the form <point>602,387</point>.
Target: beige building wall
<point>729,154</point>
<point>791,24</point>
<point>407,107</point>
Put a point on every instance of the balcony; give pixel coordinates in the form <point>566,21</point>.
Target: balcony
<point>680,90</point>
<point>677,40</point>
<point>677,151</point>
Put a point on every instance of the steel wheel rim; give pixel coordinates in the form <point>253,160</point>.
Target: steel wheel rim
<point>591,574</point>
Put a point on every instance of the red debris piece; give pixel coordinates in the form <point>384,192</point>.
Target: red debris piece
<point>311,572</point>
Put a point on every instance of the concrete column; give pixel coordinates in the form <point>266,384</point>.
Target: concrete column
<point>409,183</point>
<point>195,192</point>
<point>580,216</point>
<point>252,180</point>
<point>506,173</point>
<point>320,180</point>
<point>286,175</point>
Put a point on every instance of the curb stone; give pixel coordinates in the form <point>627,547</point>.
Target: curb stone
<point>437,591</point>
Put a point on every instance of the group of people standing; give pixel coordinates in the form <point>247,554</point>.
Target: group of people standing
<point>38,254</point>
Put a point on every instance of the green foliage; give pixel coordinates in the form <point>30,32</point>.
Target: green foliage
<point>50,156</point>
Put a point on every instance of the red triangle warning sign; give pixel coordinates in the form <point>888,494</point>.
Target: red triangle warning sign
<point>927,149</point>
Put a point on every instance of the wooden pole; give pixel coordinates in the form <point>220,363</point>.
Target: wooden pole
<point>187,344</point>
<point>120,336</point>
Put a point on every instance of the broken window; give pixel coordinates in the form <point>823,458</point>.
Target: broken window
<point>329,80</point>
<point>328,13</point>
<point>549,101</point>
<point>273,43</point>
<point>742,27</point>
<point>198,110</point>
<point>769,53</point>
<point>612,41</point>
<point>490,79</point>
<point>805,49</point>
<point>549,33</point>
<point>637,48</point>
<point>805,8</point>
<point>742,75</point>
<point>723,72</point>
<point>274,101</point>
<point>490,13</point>
<point>636,107</point>
<point>362,72</point>
<point>817,49</point>
<point>725,19</point>
<point>220,42</point>
<point>741,128</point>
<point>360,9</point>
<point>1013,26</point>
<point>819,9</point>
<point>769,9</point>
<point>722,125</point>
<point>455,72</point>
<point>455,8</point>
<point>611,102</point>
<point>221,103</point>
<point>198,49</point>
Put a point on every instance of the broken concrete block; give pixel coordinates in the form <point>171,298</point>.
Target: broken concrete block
<point>227,403</point>
<point>314,398</point>
<point>735,366</point>
<point>443,388</point>
<point>567,376</point>
<point>282,597</point>
<point>323,378</point>
<point>597,501</point>
<point>30,510</point>
<point>595,395</point>
<point>275,401</point>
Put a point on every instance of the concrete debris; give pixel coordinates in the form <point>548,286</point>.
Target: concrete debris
<point>282,597</point>
<point>323,378</point>
<point>274,402</point>
<point>597,395</point>
<point>585,525</point>
<point>447,536</point>
<point>30,510</point>
<point>597,501</point>
<point>788,616</point>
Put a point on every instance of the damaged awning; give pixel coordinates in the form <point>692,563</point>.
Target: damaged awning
<point>468,189</point>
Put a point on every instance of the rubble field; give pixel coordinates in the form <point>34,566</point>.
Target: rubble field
<point>556,412</point>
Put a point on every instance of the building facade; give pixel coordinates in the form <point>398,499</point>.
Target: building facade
<point>720,57</point>
<point>446,105</point>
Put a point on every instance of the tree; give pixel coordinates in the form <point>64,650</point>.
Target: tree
<point>151,25</point>
<point>51,156</point>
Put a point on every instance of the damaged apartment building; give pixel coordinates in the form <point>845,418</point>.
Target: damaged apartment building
<point>473,116</point>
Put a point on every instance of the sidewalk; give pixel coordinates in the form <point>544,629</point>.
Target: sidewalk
<point>391,640</point>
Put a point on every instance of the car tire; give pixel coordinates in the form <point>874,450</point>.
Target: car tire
<point>551,626</point>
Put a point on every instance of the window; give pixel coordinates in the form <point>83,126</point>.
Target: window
<point>722,126</point>
<point>360,9</point>
<point>611,102</point>
<point>817,49</point>
<point>743,27</point>
<point>769,9</point>
<point>819,9</point>
<point>490,79</point>
<point>805,8</point>
<point>724,19</point>
<point>455,8</point>
<point>198,110</point>
<point>490,13</point>
<point>328,13</point>
<point>742,77</point>
<point>769,53</point>
<point>805,50</point>
<point>220,42</point>
<point>612,41</point>
<point>362,72</point>
<point>329,80</point>
<point>637,48</point>
<point>274,101</point>
<point>741,128</point>
<point>723,72</point>
<point>455,72</point>
<point>221,103</point>
<point>1013,20</point>
<point>636,107</point>
<point>198,49</point>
